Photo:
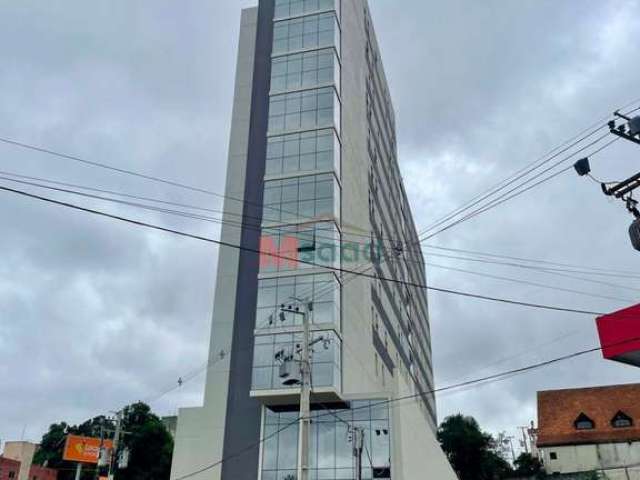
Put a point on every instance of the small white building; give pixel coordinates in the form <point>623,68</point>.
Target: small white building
<point>591,429</point>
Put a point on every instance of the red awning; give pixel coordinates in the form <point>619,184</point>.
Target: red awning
<point>620,335</point>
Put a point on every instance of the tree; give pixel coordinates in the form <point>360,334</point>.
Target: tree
<point>528,466</point>
<point>470,450</point>
<point>149,443</point>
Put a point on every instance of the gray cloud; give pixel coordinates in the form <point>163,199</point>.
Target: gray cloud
<point>96,314</point>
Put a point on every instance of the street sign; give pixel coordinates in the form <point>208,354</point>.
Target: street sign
<point>84,449</point>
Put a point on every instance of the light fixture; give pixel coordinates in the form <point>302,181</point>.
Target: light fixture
<point>582,166</point>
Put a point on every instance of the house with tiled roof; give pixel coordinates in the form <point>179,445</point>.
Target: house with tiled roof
<point>591,429</point>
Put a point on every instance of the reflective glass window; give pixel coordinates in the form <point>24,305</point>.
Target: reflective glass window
<point>321,289</point>
<point>304,110</point>
<point>299,247</point>
<point>288,8</point>
<point>311,197</point>
<point>272,350</point>
<point>331,455</point>
<point>314,31</point>
<point>305,70</point>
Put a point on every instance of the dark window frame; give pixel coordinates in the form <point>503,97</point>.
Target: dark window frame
<point>621,417</point>
<point>584,422</point>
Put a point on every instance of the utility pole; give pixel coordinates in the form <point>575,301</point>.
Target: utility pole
<point>358,445</point>
<point>100,451</point>
<point>116,443</point>
<point>303,308</point>
<point>525,440</point>
<point>621,190</point>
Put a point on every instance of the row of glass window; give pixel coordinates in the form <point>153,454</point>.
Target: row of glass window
<point>299,247</point>
<point>321,289</point>
<point>271,350</point>
<point>290,8</point>
<point>311,197</point>
<point>331,452</point>
<point>300,152</point>
<point>304,110</point>
<point>315,31</point>
<point>305,70</point>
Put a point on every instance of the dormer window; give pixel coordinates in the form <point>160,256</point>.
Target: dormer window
<point>621,420</point>
<point>584,423</point>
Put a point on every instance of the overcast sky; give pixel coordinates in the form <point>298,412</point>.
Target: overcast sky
<point>95,314</point>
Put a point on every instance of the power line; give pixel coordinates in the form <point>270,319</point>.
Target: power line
<point>239,452</point>
<point>474,382</point>
<point>527,282</point>
<point>530,167</point>
<point>257,251</point>
<point>514,192</point>
<point>239,225</point>
<point>531,260</point>
<point>510,180</point>
<point>533,267</point>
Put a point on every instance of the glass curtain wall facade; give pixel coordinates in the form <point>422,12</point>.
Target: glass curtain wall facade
<point>302,194</point>
<point>331,450</point>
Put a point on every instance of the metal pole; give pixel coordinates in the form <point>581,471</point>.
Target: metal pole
<point>97,474</point>
<point>78,471</point>
<point>305,399</point>
<point>116,444</point>
<point>358,445</point>
<point>524,439</point>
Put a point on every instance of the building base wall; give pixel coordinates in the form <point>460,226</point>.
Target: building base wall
<point>610,458</point>
<point>198,444</point>
<point>417,452</point>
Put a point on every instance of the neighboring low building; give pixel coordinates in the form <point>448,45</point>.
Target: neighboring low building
<point>36,472</point>
<point>591,429</point>
<point>9,468</point>
<point>16,463</point>
<point>22,452</point>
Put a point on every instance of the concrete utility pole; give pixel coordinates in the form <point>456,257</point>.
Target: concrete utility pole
<point>101,451</point>
<point>303,308</point>
<point>525,440</point>
<point>116,444</point>
<point>358,445</point>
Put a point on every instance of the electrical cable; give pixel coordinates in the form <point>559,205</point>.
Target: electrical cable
<point>474,382</point>
<point>514,192</point>
<point>257,251</point>
<point>533,284</point>
<point>535,267</point>
<point>532,167</point>
<point>529,260</point>
<point>509,181</point>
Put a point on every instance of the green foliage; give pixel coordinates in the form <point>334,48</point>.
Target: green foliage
<point>470,450</point>
<point>527,465</point>
<point>149,443</point>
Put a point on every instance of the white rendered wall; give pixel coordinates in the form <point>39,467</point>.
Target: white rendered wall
<point>200,431</point>
<point>607,457</point>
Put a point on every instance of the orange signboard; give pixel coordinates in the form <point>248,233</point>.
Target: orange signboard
<point>84,449</point>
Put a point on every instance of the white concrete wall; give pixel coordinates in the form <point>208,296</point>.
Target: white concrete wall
<point>23,452</point>
<point>416,453</point>
<point>607,457</point>
<point>200,431</point>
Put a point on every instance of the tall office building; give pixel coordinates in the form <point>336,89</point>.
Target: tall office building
<point>313,175</point>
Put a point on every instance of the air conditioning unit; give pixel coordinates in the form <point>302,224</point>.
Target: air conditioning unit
<point>634,233</point>
<point>290,373</point>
